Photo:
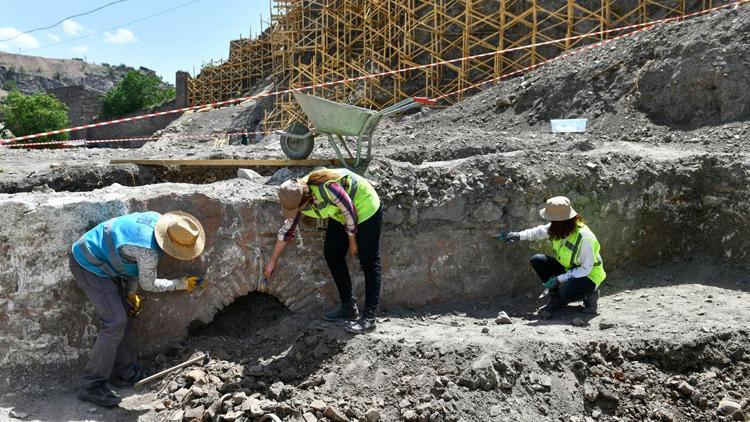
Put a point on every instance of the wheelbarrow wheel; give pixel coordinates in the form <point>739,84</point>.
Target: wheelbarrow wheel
<point>297,149</point>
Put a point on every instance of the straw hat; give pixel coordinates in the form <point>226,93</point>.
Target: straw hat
<point>180,235</point>
<point>558,209</point>
<point>290,196</point>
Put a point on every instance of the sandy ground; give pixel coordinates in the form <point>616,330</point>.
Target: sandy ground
<point>674,304</point>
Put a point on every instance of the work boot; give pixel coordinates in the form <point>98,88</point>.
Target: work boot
<point>364,324</point>
<point>591,303</point>
<point>347,312</point>
<point>100,395</point>
<point>554,305</point>
<point>120,382</point>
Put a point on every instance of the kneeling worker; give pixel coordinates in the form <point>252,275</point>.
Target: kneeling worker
<point>109,263</point>
<point>576,271</point>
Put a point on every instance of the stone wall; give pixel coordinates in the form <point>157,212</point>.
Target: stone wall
<point>436,241</point>
<point>133,129</point>
<point>83,103</point>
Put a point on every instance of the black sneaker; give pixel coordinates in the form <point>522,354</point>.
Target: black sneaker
<point>120,382</point>
<point>344,313</point>
<point>363,325</point>
<point>100,395</point>
<point>591,303</point>
<point>554,305</point>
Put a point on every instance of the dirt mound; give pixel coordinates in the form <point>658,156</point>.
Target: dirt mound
<point>681,75</point>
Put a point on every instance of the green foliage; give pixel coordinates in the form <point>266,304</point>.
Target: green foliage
<point>10,85</point>
<point>29,114</point>
<point>136,91</point>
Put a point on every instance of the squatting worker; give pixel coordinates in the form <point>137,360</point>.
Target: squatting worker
<point>576,271</point>
<point>109,263</point>
<point>355,217</point>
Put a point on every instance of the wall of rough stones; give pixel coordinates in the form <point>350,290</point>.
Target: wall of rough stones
<point>436,240</point>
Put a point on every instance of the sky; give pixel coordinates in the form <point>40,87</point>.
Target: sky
<point>195,32</point>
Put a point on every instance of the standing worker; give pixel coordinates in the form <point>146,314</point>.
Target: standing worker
<point>355,218</point>
<point>109,263</point>
<point>576,271</point>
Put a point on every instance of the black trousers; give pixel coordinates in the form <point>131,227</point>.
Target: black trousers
<point>368,242</point>
<point>573,290</point>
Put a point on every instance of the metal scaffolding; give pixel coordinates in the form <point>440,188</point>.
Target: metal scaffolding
<point>311,42</point>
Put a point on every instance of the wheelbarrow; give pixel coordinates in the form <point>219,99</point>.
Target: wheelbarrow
<point>340,122</point>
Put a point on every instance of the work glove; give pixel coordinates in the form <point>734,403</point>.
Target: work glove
<point>194,281</point>
<point>134,302</point>
<point>551,283</point>
<point>509,237</point>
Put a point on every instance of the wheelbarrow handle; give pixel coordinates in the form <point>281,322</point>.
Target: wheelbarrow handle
<point>424,100</point>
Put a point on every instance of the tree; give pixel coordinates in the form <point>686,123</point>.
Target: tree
<point>136,91</point>
<point>29,114</point>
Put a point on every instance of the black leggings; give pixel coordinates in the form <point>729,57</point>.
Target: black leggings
<point>573,290</point>
<point>368,242</point>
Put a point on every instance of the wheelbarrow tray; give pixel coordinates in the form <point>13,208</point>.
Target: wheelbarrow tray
<point>332,117</point>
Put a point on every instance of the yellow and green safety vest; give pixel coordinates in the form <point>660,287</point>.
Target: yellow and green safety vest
<point>359,189</point>
<point>568,251</point>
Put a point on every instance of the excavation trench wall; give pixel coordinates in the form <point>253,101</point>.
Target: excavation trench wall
<point>436,241</point>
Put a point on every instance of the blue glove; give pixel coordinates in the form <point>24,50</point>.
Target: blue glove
<point>551,283</point>
<point>508,237</point>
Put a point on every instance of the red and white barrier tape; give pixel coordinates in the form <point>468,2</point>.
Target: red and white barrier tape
<point>81,142</point>
<point>375,75</point>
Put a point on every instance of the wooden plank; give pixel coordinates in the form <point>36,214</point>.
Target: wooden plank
<point>231,163</point>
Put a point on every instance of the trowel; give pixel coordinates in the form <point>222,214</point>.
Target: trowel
<point>544,294</point>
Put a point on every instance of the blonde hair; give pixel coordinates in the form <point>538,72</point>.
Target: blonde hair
<point>319,177</point>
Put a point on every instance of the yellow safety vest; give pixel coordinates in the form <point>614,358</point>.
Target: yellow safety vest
<point>359,189</point>
<point>568,251</point>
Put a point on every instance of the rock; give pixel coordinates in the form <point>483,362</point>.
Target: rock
<point>591,166</point>
<point>727,407</point>
<point>686,389</point>
<point>194,413</point>
<point>249,175</point>
<point>196,375</point>
<point>485,330</point>
<point>503,318</point>
<point>173,386</point>
<point>309,417</point>
<point>605,325</point>
<point>639,393</point>
<point>180,394</point>
<point>496,410</point>
<point>318,405</point>
<point>410,416</point>
<point>232,416</point>
<point>335,415</point>
<point>18,414</point>
<point>276,391</point>
<point>503,102</point>
<point>177,416</point>
<point>578,322</point>
<point>481,374</point>
<point>585,146</point>
<point>197,391</point>
<point>590,392</point>
<point>252,407</point>
<point>372,415</point>
<point>238,398</point>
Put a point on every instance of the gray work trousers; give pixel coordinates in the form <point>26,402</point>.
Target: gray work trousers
<point>111,349</point>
